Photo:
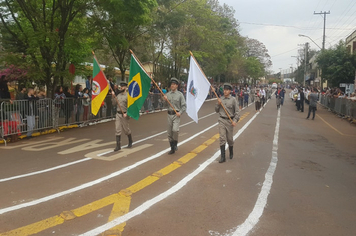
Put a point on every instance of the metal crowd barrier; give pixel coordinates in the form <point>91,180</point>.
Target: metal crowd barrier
<point>23,117</point>
<point>19,117</point>
<point>153,102</point>
<point>342,106</point>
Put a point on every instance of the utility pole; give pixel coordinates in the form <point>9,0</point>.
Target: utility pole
<point>291,72</point>
<point>323,13</point>
<point>305,62</point>
<point>323,46</point>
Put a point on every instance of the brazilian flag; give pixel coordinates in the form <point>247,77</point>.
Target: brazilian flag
<point>138,88</point>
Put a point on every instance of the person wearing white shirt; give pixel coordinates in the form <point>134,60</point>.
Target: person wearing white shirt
<point>263,96</point>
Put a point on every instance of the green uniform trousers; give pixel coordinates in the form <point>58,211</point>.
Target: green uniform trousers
<point>173,127</point>
<point>226,131</point>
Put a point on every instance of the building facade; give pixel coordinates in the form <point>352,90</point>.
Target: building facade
<point>351,42</point>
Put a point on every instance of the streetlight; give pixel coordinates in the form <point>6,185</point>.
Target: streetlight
<point>302,35</point>
<point>297,60</point>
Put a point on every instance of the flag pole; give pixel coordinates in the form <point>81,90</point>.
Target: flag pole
<point>213,89</point>
<point>132,53</point>
<point>108,83</point>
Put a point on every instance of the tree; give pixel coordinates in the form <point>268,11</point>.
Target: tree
<point>258,50</point>
<point>277,81</point>
<point>337,64</point>
<point>254,68</point>
<point>207,29</point>
<point>40,29</point>
<point>120,23</point>
<point>299,73</point>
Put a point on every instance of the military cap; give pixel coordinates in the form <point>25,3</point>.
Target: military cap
<point>174,80</point>
<point>227,86</point>
<point>123,83</point>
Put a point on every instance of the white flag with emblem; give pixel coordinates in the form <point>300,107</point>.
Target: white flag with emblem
<point>197,89</point>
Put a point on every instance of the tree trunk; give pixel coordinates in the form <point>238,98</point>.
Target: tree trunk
<point>123,74</point>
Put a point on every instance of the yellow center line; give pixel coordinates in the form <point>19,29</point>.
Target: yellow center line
<point>334,127</point>
<point>121,201</point>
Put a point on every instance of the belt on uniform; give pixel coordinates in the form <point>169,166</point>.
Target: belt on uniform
<point>226,118</point>
<point>171,112</point>
<point>119,112</point>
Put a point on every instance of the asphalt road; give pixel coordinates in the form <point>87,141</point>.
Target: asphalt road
<point>289,176</point>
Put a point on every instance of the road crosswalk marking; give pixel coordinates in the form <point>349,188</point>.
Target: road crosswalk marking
<point>116,155</point>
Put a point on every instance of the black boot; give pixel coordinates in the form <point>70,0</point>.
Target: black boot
<point>222,149</point>
<point>130,141</point>
<point>175,145</point>
<point>231,151</point>
<point>172,148</point>
<point>118,143</point>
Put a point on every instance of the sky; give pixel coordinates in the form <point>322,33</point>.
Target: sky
<point>277,24</point>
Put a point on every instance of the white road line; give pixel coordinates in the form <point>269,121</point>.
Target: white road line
<point>163,132</point>
<point>94,182</point>
<point>44,171</point>
<point>87,159</point>
<point>261,202</point>
<point>145,206</point>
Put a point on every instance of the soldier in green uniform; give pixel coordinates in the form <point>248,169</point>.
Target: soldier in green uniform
<point>177,100</point>
<point>226,127</point>
<point>122,119</point>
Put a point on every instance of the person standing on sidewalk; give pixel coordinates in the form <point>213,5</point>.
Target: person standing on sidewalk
<point>278,97</point>
<point>302,100</point>
<point>241,98</point>
<point>30,111</point>
<point>263,96</point>
<point>257,100</point>
<point>313,98</point>
<point>122,119</point>
<point>177,100</point>
<point>246,96</point>
<point>78,95</point>
<point>86,104</point>
<point>226,127</point>
<point>283,92</point>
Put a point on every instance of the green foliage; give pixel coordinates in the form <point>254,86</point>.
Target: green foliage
<point>46,32</point>
<point>273,80</point>
<point>254,67</point>
<point>118,23</point>
<point>52,34</point>
<point>338,65</point>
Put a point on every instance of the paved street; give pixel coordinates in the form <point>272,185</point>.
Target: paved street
<point>289,176</point>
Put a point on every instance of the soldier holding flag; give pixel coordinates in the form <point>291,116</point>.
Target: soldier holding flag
<point>177,101</point>
<point>122,119</point>
<point>227,120</point>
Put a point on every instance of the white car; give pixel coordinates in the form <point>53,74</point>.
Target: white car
<point>274,85</point>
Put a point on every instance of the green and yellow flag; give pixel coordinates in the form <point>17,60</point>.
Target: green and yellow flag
<point>138,88</point>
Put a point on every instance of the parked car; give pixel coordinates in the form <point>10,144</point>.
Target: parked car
<point>274,85</point>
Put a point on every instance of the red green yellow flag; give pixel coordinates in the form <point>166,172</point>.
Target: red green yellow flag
<point>100,88</point>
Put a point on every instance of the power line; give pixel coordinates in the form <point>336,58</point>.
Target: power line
<point>283,52</point>
<point>343,15</point>
<point>290,26</point>
<point>311,19</point>
<point>341,35</point>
